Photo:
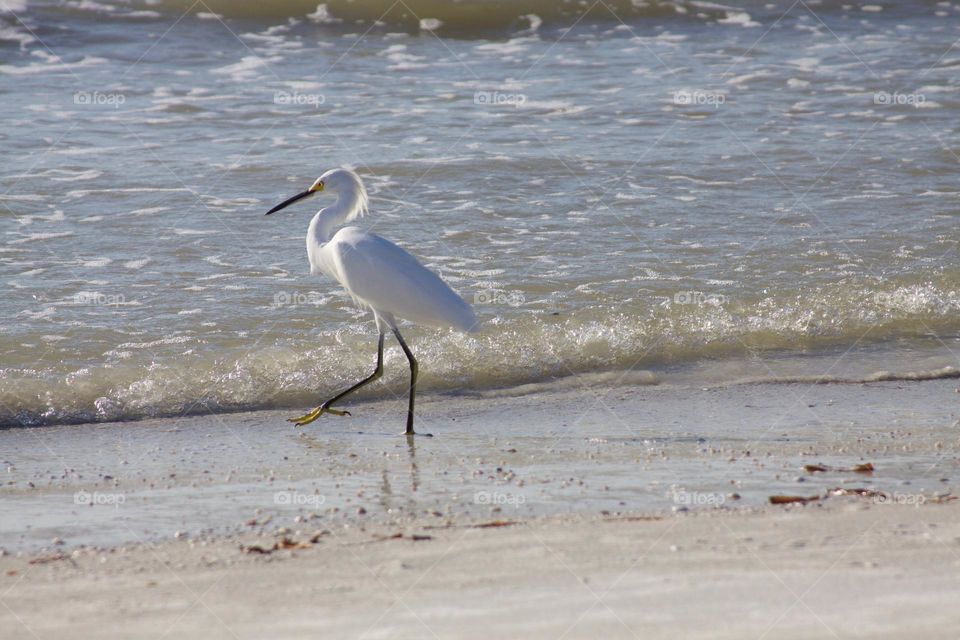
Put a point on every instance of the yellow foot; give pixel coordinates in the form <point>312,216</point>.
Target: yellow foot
<point>316,413</point>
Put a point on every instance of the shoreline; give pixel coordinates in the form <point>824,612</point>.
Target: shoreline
<point>182,396</point>
<point>589,450</point>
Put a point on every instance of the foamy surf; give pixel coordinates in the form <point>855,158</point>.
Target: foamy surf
<point>671,342</point>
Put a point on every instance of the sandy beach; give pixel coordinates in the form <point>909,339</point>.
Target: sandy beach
<point>844,570</point>
<point>645,515</point>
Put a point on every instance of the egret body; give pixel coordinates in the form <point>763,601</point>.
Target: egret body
<point>378,274</point>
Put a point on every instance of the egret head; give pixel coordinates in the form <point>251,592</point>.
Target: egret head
<point>345,183</point>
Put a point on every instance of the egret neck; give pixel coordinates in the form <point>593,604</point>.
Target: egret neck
<point>348,206</point>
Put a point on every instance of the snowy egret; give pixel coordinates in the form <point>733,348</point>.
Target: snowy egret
<point>377,274</point>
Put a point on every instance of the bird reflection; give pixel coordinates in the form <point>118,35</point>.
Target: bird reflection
<point>414,471</point>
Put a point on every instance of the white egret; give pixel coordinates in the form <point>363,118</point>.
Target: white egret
<point>376,273</point>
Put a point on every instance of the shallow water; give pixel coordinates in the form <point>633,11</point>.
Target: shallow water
<point>674,189</point>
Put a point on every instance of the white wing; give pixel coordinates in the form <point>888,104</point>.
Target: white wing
<point>390,280</point>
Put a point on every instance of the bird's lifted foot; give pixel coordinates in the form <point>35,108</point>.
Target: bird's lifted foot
<point>316,413</point>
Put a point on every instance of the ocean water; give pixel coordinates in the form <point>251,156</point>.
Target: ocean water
<point>649,191</point>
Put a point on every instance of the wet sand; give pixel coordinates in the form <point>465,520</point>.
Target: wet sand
<point>638,510</point>
<point>583,446</point>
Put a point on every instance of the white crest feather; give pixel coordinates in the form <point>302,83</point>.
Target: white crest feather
<point>351,189</point>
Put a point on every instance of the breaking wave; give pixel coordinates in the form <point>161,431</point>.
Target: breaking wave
<point>538,347</point>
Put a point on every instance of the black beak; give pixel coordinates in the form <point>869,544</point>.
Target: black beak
<point>290,201</point>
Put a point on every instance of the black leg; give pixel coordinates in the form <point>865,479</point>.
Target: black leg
<point>413,380</point>
<point>373,376</point>
<point>325,407</point>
